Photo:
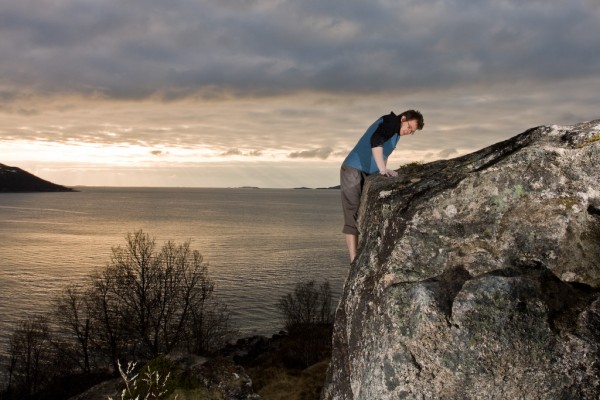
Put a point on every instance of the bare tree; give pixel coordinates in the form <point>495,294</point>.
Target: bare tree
<point>308,304</point>
<point>73,321</point>
<point>135,270</point>
<point>186,288</point>
<point>308,316</point>
<point>146,301</point>
<point>31,355</point>
<point>210,327</point>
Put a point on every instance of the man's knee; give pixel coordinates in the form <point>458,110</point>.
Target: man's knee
<point>350,230</point>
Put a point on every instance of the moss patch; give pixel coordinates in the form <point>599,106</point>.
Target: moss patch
<point>568,202</point>
<point>591,140</point>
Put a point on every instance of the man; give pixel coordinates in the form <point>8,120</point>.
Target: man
<point>369,156</point>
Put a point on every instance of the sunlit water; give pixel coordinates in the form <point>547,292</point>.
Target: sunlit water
<point>258,243</point>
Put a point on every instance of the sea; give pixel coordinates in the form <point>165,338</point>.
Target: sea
<point>258,244</point>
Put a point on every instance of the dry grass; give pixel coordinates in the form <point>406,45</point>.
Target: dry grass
<point>195,394</point>
<point>276,383</point>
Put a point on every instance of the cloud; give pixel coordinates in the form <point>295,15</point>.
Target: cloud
<point>232,152</point>
<point>446,153</point>
<point>322,153</point>
<point>271,80</point>
<point>138,49</point>
<point>238,152</point>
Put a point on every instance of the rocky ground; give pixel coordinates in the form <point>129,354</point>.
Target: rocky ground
<point>252,368</point>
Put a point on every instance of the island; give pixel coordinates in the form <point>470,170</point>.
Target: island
<point>13,179</point>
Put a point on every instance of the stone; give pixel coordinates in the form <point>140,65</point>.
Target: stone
<point>477,277</point>
<point>226,378</point>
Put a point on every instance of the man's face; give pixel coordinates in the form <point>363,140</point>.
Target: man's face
<point>407,127</point>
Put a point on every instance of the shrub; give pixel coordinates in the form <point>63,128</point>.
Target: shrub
<point>308,304</point>
<point>308,317</point>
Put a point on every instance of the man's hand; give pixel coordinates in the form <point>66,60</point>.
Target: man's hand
<point>388,172</point>
<point>381,162</point>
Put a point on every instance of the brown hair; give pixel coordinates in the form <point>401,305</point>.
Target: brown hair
<point>414,115</point>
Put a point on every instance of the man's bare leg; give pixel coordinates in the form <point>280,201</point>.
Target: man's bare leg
<point>352,243</point>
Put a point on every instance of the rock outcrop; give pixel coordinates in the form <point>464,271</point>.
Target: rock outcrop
<point>478,277</point>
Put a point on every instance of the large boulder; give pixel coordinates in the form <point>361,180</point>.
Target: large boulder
<point>478,277</point>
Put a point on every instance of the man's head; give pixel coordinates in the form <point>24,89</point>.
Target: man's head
<point>411,121</point>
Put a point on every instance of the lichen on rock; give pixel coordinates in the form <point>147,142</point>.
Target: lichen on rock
<point>478,277</point>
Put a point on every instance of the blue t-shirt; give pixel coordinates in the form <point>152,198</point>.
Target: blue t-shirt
<point>385,133</point>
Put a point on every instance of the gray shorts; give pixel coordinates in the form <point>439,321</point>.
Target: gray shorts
<point>351,185</point>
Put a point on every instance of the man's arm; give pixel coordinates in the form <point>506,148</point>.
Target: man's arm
<point>381,162</point>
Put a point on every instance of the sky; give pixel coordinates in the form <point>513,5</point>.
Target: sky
<point>275,93</point>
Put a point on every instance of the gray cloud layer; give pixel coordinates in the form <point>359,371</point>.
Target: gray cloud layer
<point>139,48</point>
<point>323,153</point>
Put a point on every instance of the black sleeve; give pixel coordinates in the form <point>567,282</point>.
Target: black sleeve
<point>386,129</point>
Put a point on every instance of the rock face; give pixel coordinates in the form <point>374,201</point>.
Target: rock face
<point>478,277</point>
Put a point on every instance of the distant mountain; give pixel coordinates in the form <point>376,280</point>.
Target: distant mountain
<point>320,188</point>
<point>13,179</point>
<point>331,187</point>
